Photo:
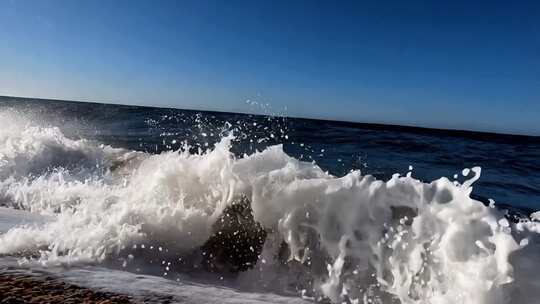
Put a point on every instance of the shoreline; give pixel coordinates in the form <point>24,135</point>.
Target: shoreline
<point>24,288</point>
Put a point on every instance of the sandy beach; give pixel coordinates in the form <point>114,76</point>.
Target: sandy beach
<point>19,289</point>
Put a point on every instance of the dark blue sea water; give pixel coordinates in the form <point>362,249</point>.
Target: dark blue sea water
<point>510,164</point>
<point>193,206</point>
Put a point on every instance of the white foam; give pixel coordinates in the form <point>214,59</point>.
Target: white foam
<point>404,239</point>
<point>10,218</point>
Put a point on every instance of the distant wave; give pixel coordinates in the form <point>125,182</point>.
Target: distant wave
<point>349,238</point>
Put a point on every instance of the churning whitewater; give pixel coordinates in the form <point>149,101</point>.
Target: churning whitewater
<point>350,238</point>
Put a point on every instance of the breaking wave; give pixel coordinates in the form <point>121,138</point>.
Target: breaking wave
<point>352,239</point>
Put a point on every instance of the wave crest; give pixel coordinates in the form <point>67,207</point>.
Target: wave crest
<point>350,238</point>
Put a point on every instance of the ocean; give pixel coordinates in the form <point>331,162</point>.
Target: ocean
<point>193,206</point>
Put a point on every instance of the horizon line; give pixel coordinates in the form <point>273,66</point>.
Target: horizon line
<point>373,125</point>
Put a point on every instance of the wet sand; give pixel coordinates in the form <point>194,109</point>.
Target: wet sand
<point>19,289</point>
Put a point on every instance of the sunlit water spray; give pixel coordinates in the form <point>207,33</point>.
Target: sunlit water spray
<point>352,239</point>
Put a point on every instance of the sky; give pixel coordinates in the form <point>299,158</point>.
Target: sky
<point>459,64</point>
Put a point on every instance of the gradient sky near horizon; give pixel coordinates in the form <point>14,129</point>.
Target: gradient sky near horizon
<point>460,64</point>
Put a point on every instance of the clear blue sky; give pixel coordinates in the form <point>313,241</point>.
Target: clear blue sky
<point>448,65</point>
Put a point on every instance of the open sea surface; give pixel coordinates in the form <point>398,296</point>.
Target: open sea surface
<point>134,199</point>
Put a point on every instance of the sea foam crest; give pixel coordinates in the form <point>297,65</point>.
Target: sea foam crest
<point>356,238</point>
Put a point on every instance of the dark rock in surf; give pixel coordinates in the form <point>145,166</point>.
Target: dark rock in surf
<point>237,241</point>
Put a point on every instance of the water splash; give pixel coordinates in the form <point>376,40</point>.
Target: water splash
<point>351,238</point>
